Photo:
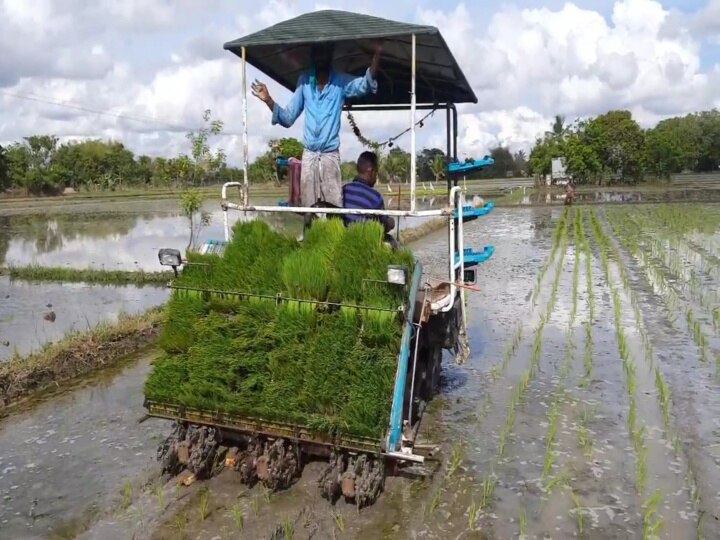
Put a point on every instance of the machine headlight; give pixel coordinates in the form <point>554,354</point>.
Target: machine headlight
<point>170,257</point>
<point>397,275</point>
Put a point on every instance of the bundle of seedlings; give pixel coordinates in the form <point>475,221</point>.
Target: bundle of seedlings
<point>302,333</point>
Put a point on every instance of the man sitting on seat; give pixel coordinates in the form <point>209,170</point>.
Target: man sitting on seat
<point>361,194</point>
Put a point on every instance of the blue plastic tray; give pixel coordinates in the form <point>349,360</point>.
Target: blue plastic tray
<point>470,212</point>
<point>473,258</point>
<point>459,168</point>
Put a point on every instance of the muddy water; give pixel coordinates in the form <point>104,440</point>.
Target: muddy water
<point>589,491</point>
<point>125,238</point>
<point>70,457</point>
<point>25,309</point>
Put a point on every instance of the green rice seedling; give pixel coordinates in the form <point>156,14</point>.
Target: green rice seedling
<point>127,494</point>
<point>435,502</point>
<point>288,529</point>
<point>584,439</point>
<point>238,517</point>
<point>339,521</point>
<point>455,459</point>
<point>555,481</point>
<point>285,361</point>
<point>254,505</point>
<point>180,522</point>
<point>204,507</point>
<point>160,496</point>
<point>488,488</point>
<point>664,395</point>
<point>578,510</point>
<point>473,514</point>
<point>267,492</point>
<point>523,523</point>
<point>504,434</point>
<point>652,522</point>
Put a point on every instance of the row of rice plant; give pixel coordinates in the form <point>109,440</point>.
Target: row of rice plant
<point>707,297</point>
<point>663,390</point>
<point>556,243</point>
<point>559,392</point>
<point>516,338</point>
<point>527,377</point>
<point>283,356</point>
<point>629,232</point>
<point>652,522</point>
<point>636,428</point>
<point>677,257</point>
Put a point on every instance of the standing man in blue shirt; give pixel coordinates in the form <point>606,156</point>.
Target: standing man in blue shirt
<point>361,192</point>
<point>321,93</point>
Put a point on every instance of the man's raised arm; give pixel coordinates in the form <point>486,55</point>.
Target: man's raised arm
<point>367,84</point>
<point>284,116</point>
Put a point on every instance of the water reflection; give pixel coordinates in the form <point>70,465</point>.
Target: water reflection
<point>123,240</point>
<point>77,307</point>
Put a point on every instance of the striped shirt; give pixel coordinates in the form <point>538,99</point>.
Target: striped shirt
<point>357,194</point>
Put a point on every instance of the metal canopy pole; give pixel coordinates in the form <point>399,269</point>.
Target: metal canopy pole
<point>413,157</point>
<point>448,151</point>
<point>245,130</point>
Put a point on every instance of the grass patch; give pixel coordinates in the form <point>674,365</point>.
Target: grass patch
<point>87,275</point>
<point>77,354</point>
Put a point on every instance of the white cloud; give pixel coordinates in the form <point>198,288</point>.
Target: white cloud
<point>163,60</point>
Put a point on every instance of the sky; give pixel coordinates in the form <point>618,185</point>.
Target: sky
<point>153,66</point>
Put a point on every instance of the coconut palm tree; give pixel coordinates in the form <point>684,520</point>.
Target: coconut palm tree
<point>437,166</point>
<point>558,127</point>
<point>394,167</point>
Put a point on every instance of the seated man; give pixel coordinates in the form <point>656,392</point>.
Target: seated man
<point>361,194</point>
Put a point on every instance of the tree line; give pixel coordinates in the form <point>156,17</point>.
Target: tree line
<point>42,165</point>
<point>614,148</point>
<point>609,148</point>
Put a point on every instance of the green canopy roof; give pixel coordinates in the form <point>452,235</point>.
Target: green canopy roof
<point>282,52</point>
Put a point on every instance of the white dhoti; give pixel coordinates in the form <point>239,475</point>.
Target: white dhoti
<point>320,179</point>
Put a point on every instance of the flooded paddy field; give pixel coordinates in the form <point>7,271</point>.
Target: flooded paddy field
<point>588,409</point>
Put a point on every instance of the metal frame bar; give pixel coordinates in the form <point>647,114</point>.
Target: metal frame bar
<point>413,103</point>
<point>396,413</point>
<point>280,298</point>
<point>246,163</point>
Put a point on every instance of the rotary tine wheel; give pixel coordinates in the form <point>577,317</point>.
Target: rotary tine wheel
<point>329,480</point>
<point>369,481</point>
<point>204,442</point>
<point>279,464</point>
<point>246,462</point>
<point>167,452</point>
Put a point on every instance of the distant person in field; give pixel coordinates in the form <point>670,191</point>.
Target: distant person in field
<point>321,92</point>
<point>361,192</point>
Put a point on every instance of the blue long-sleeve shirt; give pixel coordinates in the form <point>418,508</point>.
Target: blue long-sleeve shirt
<point>322,108</point>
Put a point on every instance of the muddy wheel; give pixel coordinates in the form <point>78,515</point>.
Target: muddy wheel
<point>203,443</point>
<point>431,380</point>
<point>167,452</point>
<point>246,462</point>
<point>329,481</point>
<point>279,465</point>
<point>369,482</point>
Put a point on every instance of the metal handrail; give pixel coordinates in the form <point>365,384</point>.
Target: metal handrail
<point>279,298</point>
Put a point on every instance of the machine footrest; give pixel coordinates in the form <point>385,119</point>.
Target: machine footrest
<point>472,258</point>
<point>470,213</point>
